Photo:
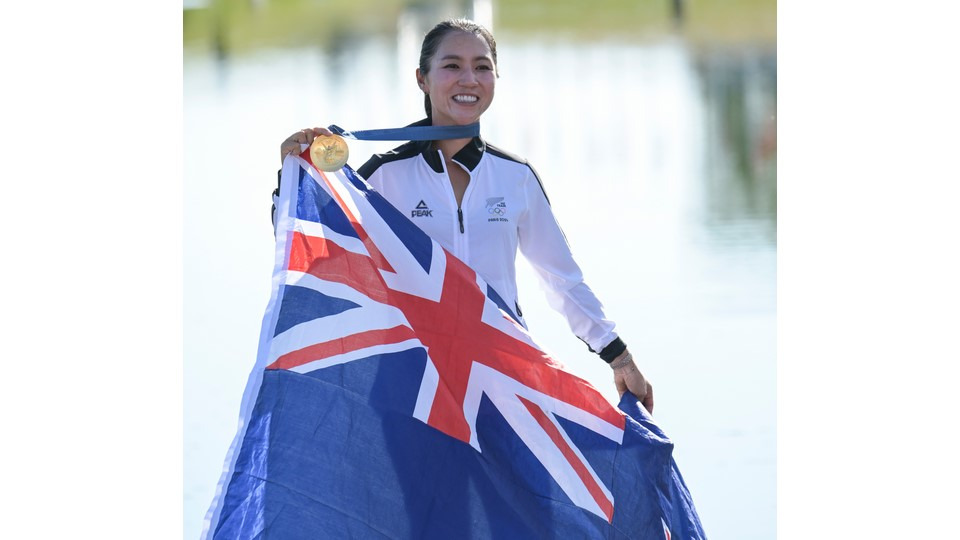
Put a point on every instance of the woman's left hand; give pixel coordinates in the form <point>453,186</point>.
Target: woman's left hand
<point>305,136</point>
<point>628,378</point>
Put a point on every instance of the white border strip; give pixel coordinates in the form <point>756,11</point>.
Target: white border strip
<point>285,223</point>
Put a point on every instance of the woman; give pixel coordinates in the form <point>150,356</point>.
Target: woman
<point>481,203</point>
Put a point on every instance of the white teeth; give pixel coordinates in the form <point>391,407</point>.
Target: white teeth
<point>465,99</point>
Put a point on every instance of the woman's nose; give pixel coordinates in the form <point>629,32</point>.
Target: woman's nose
<point>468,77</point>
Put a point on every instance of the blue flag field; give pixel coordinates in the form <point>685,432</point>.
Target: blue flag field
<point>395,396</point>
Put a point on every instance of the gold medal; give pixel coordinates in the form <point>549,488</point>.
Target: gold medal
<point>329,152</point>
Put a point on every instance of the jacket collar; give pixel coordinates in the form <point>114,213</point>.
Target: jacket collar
<point>469,156</point>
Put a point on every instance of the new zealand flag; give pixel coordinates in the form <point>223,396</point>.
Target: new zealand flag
<point>396,396</point>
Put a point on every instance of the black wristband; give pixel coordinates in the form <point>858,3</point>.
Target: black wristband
<point>613,350</point>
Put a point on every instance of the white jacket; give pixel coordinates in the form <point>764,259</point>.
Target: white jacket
<point>503,208</point>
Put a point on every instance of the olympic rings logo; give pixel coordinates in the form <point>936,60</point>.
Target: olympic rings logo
<point>497,210</point>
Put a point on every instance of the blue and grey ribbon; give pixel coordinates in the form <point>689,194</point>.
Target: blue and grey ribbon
<point>411,133</point>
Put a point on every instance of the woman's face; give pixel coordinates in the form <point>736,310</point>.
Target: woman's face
<point>461,79</point>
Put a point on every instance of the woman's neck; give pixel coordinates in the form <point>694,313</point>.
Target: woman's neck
<point>449,147</point>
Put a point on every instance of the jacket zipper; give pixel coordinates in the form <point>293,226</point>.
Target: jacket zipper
<point>460,217</point>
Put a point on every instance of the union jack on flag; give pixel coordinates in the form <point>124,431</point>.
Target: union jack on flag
<point>395,395</point>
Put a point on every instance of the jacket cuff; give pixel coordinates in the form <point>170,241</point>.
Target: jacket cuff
<point>614,349</point>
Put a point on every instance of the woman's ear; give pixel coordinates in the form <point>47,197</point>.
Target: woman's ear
<point>421,81</point>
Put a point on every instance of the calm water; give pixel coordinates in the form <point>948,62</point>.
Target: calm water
<point>661,154</point>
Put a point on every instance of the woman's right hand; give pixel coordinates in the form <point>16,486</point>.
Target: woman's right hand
<point>627,378</point>
<point>304,136</point>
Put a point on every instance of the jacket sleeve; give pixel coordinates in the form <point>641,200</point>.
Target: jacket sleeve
<point>276,199</point>
<point>543,244</point>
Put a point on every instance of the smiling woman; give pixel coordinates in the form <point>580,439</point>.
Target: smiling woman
<point>448,186</point>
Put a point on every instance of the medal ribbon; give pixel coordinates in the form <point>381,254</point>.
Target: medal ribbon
<point>411,133</point>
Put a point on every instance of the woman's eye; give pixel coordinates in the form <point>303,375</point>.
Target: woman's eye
<point>484,67</point>
<point>451,66</point>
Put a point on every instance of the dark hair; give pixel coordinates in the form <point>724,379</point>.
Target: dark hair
<point>431,42</point>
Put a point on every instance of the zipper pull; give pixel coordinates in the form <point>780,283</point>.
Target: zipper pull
<point>460,217</point>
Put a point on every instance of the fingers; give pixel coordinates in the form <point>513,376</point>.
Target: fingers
<point>621,385</point>
<point>648,399</point>
<point>629,379</point>
<point>305,136</point>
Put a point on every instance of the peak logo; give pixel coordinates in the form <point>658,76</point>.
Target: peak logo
<point>421,210</point>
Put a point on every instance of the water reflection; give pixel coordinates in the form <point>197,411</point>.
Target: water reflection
<point>739,95</point>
